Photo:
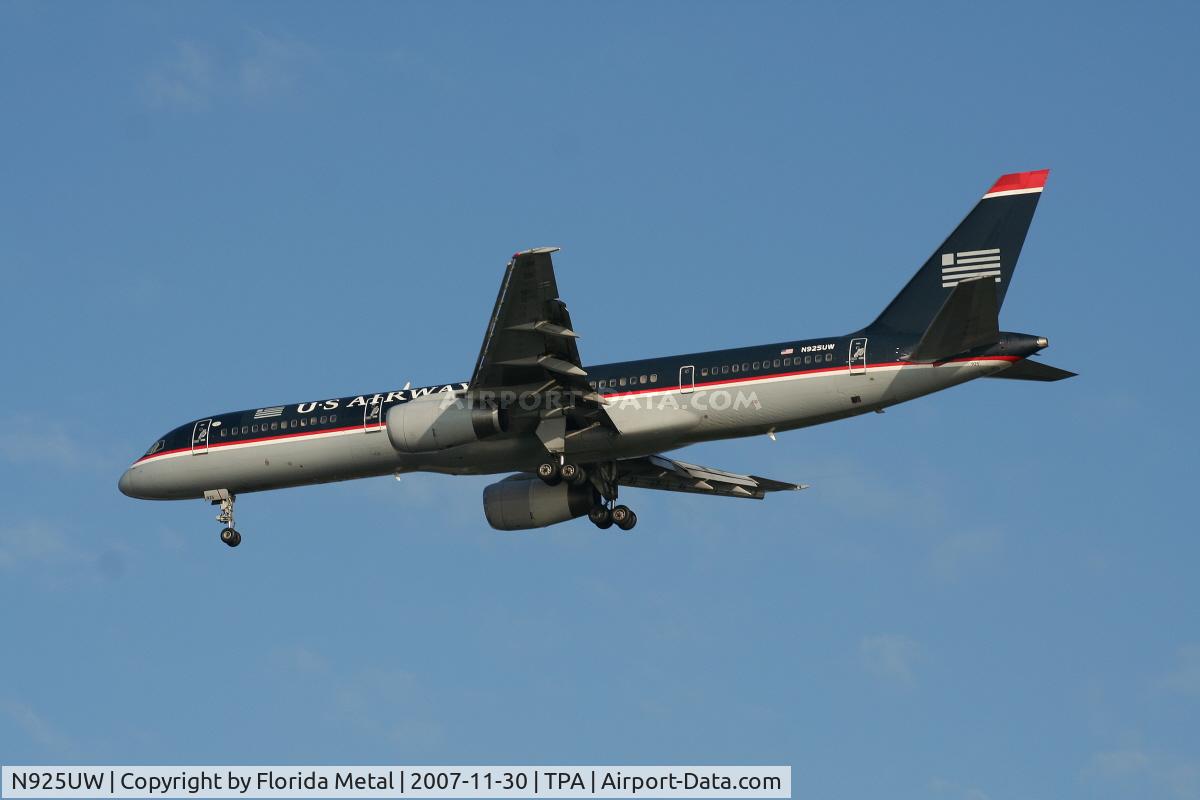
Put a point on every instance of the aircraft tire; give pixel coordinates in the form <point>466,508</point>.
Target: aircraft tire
<point>601,517</point>
<point>623,517</point>
<point>549,473</point>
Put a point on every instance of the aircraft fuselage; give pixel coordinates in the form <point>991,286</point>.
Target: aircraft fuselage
<point>659,404</point>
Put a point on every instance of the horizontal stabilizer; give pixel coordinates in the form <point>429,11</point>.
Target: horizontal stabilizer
<point>969,318</point>
<point>1027,370</point>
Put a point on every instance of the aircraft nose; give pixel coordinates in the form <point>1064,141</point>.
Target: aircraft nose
<point>126,483</point>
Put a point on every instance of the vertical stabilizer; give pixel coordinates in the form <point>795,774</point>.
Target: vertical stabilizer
<point>985,245</point>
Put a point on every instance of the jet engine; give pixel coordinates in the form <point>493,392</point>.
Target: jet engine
<point>521,502</point>
<point>435,422</point>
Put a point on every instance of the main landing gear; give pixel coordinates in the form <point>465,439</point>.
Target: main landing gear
<point>603,476</point>
<point>224,498</point>
<point>604,517</point>
<point>553,473</point>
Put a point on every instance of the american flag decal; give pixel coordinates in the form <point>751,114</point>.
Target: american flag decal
<point>264,413</point>
<point>970,264</point>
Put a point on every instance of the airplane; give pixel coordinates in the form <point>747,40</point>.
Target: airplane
<point>573,435</point>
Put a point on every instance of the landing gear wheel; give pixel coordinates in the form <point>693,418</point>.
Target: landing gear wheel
<point>550,473</point>
<point>573,474</point>
<point>231,537</point>
<point>601,517</point>
<point>623,517</point>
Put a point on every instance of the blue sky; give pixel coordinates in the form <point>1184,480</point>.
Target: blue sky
<point>989,593</point>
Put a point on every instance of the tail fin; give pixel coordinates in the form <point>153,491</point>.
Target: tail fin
<point>984,245</point>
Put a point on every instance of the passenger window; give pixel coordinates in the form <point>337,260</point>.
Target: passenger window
<point>653,377</point>
<point>777,363</point>
<point>275,426</point>
<point>294,423</point>
<point>704,372</point>
<point>312,420</point>
<point>757,364</point>
<point>725,369</point>
<point>787,362</point>
<point>735,367</point>
<point>622,381</point>
<point>303,422</point>
<point>829,356</point>
<point>324,420</point>
<point>808,359</point>
<point>245,430</point>
<point>333,417</point>
<point>745,366</point>
<point>222,433</point>
<point>643,379</point>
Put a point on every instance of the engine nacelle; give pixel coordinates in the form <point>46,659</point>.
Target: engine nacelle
<point>522,502</point>
<point>435,422</point>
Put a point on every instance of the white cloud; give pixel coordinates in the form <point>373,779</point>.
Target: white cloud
<point>272,66</point>
<point>1132,768</point>
<point>944,788</point>
<point>1185,679</point>
<point>195,77</point>
<point>32,441</point>
<point>32,724</point>
<point>184,81</point>
<point>959,553</point>
<point>890,656</point>
<point>35,542</point>
<point>385,703</point>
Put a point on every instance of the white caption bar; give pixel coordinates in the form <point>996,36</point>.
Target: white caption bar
<point>383,782</point>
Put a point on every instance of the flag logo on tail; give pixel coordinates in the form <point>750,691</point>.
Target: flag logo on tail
<point>970,264</point>
<point>264,413</point>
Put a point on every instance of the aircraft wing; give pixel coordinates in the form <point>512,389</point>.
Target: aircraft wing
<point>529,337</point>
<point>530,348</point>
<point>659,472</point>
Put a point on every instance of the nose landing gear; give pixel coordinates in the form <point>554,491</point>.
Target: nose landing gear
<point>224,498</point>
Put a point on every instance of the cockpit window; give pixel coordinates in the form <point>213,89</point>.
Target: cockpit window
<point>154,448</point>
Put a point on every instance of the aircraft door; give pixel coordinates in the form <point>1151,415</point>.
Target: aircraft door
<point>858,356</point>
<point>687,379</point>
<point>200,437</point>
<point>373,415</point>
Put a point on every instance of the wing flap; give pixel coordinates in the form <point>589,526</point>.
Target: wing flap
<point>527,335</point>
<point>665,474</point>
<point>530,348</point>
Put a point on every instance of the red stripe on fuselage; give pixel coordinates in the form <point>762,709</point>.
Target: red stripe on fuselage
<point>213,445</point>
<point>823,370</point>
